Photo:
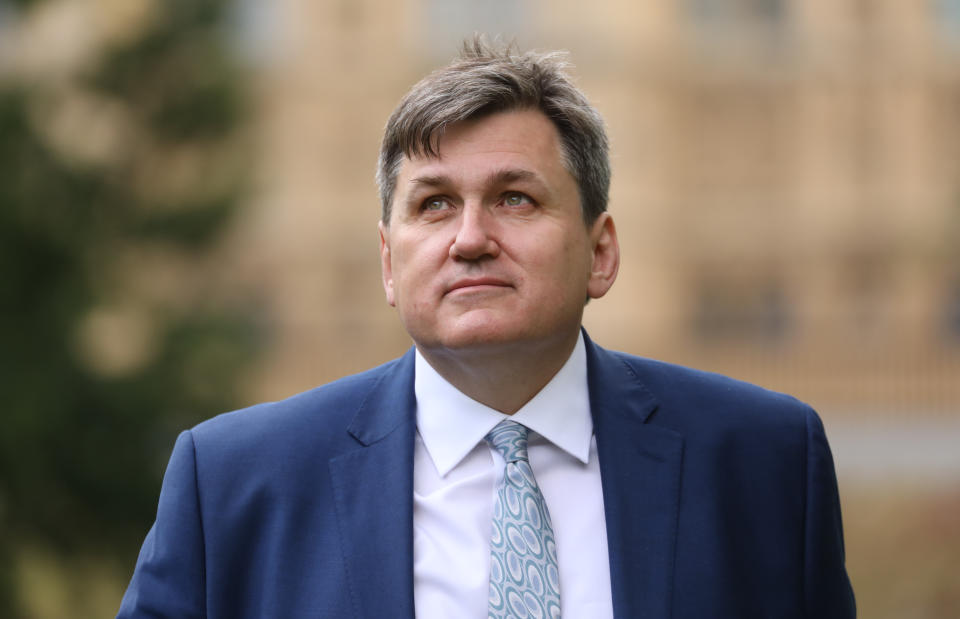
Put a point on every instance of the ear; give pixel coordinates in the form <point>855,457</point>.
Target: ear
<point>386,268</point>
<point>606,256</point>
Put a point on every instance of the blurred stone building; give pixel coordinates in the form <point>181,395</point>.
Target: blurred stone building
<point>786,183</point>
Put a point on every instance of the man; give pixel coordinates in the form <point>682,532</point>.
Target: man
<point>506,465</point>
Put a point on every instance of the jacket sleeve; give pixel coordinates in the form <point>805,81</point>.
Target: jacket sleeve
<point>169,580</point>
<point>827,588</point>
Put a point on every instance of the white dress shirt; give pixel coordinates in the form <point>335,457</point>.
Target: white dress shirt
<point>455,475</point>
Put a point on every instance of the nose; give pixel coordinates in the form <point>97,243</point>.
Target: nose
<point>475,236</point>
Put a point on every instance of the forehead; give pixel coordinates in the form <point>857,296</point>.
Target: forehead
<point>469,151</point>
<point>525,131</point>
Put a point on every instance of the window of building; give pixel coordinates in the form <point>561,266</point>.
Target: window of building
<point>947,12</point>
<point>724,18</point>
<point>449,22</point>
<point>945,15</point>
<point>952,311</point>
<point>255,30</point>
<point>734,307</point>
<point>738,11</point>
<point>743,29</point>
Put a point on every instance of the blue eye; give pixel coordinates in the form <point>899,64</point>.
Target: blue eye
<point>434,204</point>
<point>516,199</point>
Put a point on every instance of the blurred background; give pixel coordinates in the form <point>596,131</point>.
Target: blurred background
<point>188,225</point>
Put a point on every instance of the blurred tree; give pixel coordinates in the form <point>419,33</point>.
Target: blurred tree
<point>114,184</point>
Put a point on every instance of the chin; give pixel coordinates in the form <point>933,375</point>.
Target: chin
<point>470,336</point>
<point>476,338</point>
<point>481,330</point>
<point>497,338</point>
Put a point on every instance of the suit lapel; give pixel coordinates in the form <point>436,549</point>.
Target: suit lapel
<point>640,466</point>
<point>373,494</point>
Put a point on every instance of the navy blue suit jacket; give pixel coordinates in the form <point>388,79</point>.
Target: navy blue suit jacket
<point>720,497</point>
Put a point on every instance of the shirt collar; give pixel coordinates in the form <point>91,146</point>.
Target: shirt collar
<point>451,424</point>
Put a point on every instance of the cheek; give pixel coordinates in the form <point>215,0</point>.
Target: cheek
<point>570,268</point>
<point>415,270</point>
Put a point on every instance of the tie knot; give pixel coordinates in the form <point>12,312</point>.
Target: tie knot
<point>510,439</point>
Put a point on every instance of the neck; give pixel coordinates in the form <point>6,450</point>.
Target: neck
<point>504,378</point>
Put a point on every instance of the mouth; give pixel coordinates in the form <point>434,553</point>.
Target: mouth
<point>477,284</point>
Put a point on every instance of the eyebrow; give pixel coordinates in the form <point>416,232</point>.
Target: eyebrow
<point>499,177</point>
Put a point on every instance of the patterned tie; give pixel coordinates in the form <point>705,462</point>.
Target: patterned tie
<point>524,581</point>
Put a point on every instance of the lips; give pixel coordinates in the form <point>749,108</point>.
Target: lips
<point>477,283</point>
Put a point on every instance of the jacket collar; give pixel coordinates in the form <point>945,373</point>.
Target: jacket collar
<point>388,405</point>
<point>373,496</point>
<point>640,469</point>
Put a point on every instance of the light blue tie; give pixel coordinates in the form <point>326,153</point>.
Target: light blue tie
<point>524,581</point>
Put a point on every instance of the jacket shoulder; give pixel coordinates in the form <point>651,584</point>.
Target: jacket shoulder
<point>323,411</point>
<point>693,397</point>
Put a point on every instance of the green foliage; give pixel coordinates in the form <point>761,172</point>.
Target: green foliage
<point>183,83</point>
<point>83,445</point>
<point>20,4</point>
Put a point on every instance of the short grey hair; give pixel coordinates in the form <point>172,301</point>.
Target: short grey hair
<point>487,79</point>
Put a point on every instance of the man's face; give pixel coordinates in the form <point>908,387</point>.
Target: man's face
<point>486,245</point>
